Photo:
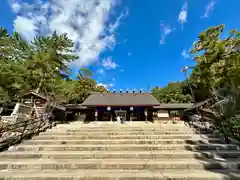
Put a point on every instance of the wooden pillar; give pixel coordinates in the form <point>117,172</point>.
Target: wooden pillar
<point>146,114</point>
<point>96,115</point>
<point>111,117</point>
<point>131,113</point>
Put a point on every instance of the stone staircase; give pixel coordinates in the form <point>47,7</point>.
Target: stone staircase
<point>121,151</point>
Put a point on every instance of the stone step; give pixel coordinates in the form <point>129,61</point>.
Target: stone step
<point>119,125</point>
<point>93,134</point>
<point>119,155</point>
<point>106,142</point>
<point>120,175</point>
<point>99,129</point>
<point>113,137</point>
<point>59,133</point>
<point>94,142</point>
<point>125,128</point>
<point>114,147</point>
<point>128,138</point>
<point>112,129</point>
<point>112,140</point>
<point>68,164</point>
<point>119,141</point>
<point>118,132</point>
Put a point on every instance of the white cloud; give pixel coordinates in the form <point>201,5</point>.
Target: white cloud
<point>87,23</point>
<point>209,8</point>
<point>185,54</point>
<point>101,84</point>
<point>26,27</point>
<point>182,17</point>
<point>116,24</point>
<point>107,86</point>
<point>165,31</point>
<point>16,7</point>
<point>109,64</point>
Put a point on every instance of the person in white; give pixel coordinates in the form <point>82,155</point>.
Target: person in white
<point>118,119</point>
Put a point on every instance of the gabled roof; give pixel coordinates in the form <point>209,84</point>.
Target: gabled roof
<point>121,99</point>
<point>54,104</point>
<point>35,94</point>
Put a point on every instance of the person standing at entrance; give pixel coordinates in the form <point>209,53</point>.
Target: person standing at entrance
<point>118,119</point>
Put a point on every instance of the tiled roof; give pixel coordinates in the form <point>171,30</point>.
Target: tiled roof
<point>121,99</point>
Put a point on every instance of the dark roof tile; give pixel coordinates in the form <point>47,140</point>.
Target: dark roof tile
<point>121,99</point>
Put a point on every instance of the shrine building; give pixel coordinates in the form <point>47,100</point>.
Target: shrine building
<point>131,106</point>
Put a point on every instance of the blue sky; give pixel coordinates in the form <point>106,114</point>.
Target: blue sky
<point>129,43</point>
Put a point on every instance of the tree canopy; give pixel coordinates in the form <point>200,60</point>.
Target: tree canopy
<point>42,66</point>
<point>216,75</point>
<point>174,92</point>
<point>218,65</point>
<point>217,59</point>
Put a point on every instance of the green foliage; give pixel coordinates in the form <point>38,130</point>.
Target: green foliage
<point>227,110</point>
<point>218,59</point>
<point>218,73</point>
<point>41,65</point>
<point>174,113</point>
<point>175,92</point>
<point>218,65</point>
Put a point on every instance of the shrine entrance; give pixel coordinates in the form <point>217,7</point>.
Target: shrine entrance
<point>122,114</point>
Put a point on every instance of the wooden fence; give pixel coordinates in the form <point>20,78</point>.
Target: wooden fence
<point>11,134</point>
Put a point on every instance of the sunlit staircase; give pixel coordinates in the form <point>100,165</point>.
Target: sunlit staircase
<point>134,150</point>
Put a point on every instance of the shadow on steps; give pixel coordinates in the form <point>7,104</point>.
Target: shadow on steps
<point>213,148</point>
